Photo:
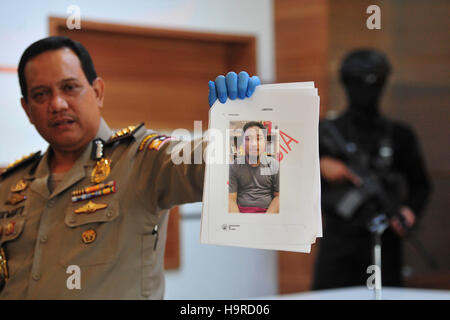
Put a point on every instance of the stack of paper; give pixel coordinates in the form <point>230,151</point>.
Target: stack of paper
<point>242,181</point>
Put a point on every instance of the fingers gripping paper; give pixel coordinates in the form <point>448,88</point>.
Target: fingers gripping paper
<point>262,179</point>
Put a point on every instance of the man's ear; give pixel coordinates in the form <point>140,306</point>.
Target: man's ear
<point>27,110</point>
<point>99,88</point>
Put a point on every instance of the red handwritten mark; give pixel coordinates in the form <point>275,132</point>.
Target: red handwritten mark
<point>283,135</point>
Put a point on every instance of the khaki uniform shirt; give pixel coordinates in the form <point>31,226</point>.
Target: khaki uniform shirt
<point>125,261</point>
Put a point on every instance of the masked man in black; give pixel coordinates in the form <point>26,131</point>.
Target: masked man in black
<point>370,143</point>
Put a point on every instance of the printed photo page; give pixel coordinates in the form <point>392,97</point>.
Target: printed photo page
<point>262,179</point>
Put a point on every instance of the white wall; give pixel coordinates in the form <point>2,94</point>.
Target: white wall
<point>206,271</point>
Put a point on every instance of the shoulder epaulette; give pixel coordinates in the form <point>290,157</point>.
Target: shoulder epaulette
<point>20,163</point>
<point>124,133</point>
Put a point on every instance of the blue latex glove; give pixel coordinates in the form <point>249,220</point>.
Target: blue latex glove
<point>232,86</point>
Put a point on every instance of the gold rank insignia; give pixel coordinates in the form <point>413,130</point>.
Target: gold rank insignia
<point>15,199</point>
<point>101,170</point>
<point>91,207</point>
<point>22,161</point>
<point>89,236</point>
<point>15,163</point>
<point>20,186</point>
<point>123,132</point>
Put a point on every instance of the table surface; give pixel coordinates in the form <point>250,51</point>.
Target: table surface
<point>363,293</point>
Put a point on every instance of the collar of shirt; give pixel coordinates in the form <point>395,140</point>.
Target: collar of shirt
<point>75,174</point>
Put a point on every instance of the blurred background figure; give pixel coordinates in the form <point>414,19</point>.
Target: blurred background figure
<point>369,165</point>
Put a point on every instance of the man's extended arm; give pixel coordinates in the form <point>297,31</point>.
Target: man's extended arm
<point>167,184</point>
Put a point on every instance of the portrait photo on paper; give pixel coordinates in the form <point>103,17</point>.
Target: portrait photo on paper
<point>254,170</point>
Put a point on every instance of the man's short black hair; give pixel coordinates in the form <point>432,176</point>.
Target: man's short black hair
<point>253,124</point>
<point>55,43</point>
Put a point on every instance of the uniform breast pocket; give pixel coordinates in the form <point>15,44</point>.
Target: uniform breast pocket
<point>91,238</point>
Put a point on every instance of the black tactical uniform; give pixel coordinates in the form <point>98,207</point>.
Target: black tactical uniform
<point>385,146</point>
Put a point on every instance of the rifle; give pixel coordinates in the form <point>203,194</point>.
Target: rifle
<point>373,192</point>
<point>351,198</point>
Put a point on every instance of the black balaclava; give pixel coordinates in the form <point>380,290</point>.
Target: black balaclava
<point>363,73</point>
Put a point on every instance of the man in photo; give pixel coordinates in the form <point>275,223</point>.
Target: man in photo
<point>254,178</point>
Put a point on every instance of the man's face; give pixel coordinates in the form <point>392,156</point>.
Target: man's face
<point>254,142</point>
<point>62,105</point>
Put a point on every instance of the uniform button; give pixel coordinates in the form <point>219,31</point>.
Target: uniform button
<point>43,239</point>
<point>36,276</point>
<point>109,214</point>
<point>72,220</point>
<point>51,203</point>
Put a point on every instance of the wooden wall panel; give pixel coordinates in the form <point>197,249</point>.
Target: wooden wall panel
<point>414,35</point>
<point>301,44</point>
<point>172,253</point>
<point>348,31</point>
<point>159,77</point>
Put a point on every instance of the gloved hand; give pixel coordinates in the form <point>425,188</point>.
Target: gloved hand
<point>232,86</point>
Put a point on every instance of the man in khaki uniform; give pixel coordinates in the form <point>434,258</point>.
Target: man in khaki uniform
<point>88,218</point>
